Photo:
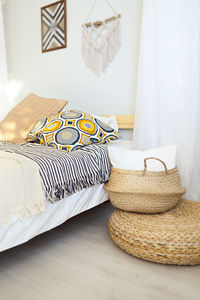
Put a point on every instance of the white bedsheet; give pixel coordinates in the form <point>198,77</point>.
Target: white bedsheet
<point>20,231</point>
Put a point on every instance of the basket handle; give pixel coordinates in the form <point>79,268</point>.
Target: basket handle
<point>145,164</point>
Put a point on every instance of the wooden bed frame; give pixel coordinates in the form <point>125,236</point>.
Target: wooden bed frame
<point>124,121</point>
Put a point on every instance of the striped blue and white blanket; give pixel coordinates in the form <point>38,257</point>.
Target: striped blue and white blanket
<point>64,173</point>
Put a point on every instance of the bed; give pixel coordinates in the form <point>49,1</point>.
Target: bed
<point>21,230</point>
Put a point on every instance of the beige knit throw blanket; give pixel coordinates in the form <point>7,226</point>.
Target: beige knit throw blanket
<point>21,191</point>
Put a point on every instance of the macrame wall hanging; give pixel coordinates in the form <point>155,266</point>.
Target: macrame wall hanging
<point>100,41</point>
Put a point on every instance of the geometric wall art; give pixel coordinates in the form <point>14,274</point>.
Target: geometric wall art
<point>53,26</point>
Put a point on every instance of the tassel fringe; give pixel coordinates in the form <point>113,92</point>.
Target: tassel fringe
<point>98,56</point>
<point>59,192</point>
<point>27,210</point>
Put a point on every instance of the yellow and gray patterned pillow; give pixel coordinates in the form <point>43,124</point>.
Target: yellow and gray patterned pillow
<point>71,130</point>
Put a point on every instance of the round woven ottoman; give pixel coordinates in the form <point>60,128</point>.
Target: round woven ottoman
<point>172,237</point>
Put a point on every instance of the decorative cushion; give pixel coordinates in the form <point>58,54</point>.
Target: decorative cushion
<point>71,130</point>
<point>19,121</point>
<point>172,237</point>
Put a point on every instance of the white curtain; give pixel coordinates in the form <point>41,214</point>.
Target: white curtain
<point>4,103</point>
<point>168,91</point>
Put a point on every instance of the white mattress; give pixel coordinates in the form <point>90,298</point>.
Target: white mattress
<point>20,231</point>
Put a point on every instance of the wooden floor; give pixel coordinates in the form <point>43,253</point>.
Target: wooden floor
<point>78,261</point>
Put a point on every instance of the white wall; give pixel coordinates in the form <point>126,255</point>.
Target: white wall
<point>62,73</point>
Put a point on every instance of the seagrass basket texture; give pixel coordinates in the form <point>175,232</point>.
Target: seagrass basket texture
<point>144,191</point>
<point>172,237</point>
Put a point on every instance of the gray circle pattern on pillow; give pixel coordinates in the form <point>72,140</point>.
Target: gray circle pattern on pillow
<point>71,115</point>
<point>67,136</point>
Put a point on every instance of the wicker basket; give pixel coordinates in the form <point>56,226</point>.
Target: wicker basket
<point>143,191</point>
<point>172,237</point>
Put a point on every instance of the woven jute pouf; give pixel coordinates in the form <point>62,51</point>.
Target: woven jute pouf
<point>172,237</point>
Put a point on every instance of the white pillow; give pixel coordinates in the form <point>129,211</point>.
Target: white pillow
<point>134,159</point>
<point>111,121</point>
